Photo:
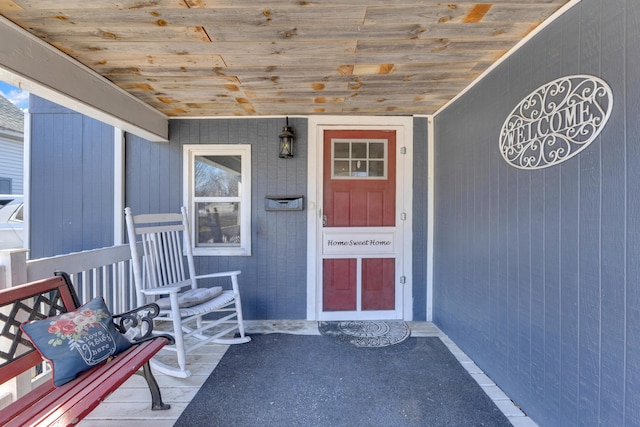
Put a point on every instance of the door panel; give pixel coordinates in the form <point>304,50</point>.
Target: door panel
<point>340,292</point>
<point>375,212</point>
<point>368,202</point>
<point>340,217</point>
<point>359,194</point>
<point>378,283</point>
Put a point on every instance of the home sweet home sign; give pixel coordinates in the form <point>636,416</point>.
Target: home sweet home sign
<point>555,122</point>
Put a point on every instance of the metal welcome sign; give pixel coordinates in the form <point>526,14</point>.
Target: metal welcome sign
<point>556,122</point>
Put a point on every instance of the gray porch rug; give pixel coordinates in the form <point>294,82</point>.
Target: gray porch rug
<point>367,333</point>
<point>308,381</point>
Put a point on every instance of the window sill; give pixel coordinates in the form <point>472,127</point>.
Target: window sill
<point>221,252</point>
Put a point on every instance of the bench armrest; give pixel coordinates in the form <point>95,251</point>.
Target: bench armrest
<point>138,324</point>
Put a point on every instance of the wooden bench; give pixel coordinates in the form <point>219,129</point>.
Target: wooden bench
<point>71,402</point>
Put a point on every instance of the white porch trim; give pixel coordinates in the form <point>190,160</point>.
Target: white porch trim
<point>118,185</point>
<point>431,188</point>
<point>70,84</point>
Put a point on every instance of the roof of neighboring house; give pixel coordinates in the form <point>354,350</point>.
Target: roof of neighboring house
<point>11,117</point>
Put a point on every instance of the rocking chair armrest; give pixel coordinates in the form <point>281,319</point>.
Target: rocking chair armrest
<point>138,324</point>
<point>166,290</point>
<point>222,274</point>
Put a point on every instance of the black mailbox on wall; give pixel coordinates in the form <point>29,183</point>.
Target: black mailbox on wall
<point>284,203</point>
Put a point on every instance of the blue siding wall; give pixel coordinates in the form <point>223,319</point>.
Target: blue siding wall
<point>273,279</point>
<point>71,181</point>
<point>72,197</point>
<point>11,166</point>
<point>420,205</point>
<point>536,272</point>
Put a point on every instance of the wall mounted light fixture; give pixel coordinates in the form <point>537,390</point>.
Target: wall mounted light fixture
<point>287,137</point>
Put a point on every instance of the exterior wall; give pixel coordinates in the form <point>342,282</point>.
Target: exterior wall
<point>420,208</point>
<point>11,147</point>
<point>274,287</point>
<point>273,279</point>
<point>11,168</point>
<point>536,272</point>
<point>71,195</point>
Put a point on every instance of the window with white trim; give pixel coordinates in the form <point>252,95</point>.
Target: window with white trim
<point>218,198</point>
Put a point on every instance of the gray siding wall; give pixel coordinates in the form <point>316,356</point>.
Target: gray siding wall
<point>536,272</point>
<point>11,168</point>
<point>273,279</point>
<point>72,197</point>
<point>71,181</point>
<point>420,208</point>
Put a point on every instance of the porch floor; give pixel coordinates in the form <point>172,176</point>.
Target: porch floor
<point>130,404</point>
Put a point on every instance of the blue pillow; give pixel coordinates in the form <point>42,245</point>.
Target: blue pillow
<point>76,341</point>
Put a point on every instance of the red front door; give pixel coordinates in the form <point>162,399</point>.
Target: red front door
<point>359,221</point>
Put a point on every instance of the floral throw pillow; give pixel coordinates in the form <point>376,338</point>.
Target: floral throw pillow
<point>76,341</point>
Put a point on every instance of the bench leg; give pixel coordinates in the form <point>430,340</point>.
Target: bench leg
<point>156,398</point>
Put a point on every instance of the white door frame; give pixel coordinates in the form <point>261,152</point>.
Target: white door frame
<point>404,195</point>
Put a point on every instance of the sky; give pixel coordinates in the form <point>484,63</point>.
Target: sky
<point>19,97</point>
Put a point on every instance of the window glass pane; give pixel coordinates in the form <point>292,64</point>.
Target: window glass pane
<point>5,185</point>
<point>341,150</point>
<point>341,168</point>
<point>218,224</point>
<point>217,176</point>
<point>359,168</point>
<point>376,168</point>
<point>359,150</point>
<point>376,150</point>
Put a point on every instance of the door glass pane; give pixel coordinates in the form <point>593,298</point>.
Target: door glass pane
<point>358,168</point>
<point>217,176</point>
<point>376,168</point>
<point>359,150</point>
<point>341,168</point>
<point>341,150</point>
<point>376,150</point>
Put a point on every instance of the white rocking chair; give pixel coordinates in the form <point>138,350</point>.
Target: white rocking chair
<point>159,271</point>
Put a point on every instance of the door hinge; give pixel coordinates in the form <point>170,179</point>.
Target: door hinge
<point>403,150</point>
<point>403,216</point>
<point>403,279</point>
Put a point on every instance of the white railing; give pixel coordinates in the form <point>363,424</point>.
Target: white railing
<point>102,272</point>
<point>105,272</point>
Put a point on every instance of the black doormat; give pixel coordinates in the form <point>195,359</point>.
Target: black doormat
<point>296,380</point>
<point>367,333</point>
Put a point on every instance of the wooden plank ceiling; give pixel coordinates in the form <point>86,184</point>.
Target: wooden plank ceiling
<point>205,58</point>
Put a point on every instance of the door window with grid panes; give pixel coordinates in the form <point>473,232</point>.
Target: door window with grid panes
<point>359,159</point>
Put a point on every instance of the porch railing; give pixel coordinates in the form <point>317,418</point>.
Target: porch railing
<point>102,272</point>
<point>105,272</point>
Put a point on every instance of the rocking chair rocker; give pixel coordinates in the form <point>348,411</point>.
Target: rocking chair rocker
<point>159,271</point>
